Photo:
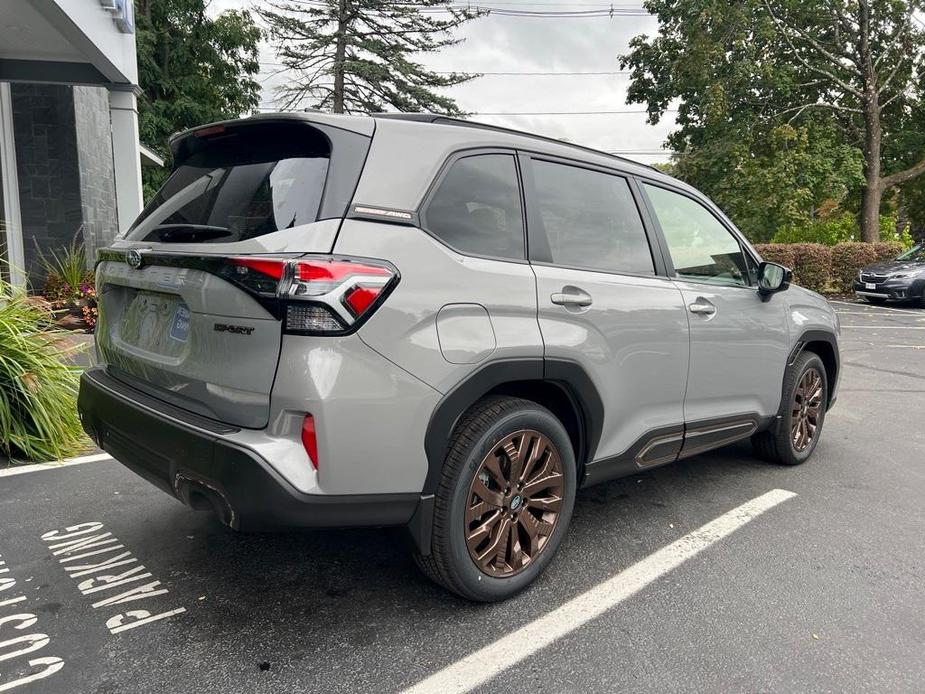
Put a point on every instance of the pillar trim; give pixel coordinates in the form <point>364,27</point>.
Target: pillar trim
<point>10,192</point>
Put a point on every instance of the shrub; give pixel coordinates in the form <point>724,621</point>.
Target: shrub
<point>65,270</point>
<point>780,253</point>
<point>38,389</point>
<point>847,259</point>
<point>69,285</point>
<point>812,265</point>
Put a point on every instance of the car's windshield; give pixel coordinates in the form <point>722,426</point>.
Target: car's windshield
<point>916,254</point>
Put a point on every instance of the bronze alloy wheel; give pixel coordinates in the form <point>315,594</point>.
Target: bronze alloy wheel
<point>807,408</point>
<point>514,503</point>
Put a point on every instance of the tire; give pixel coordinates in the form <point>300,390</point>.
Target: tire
<point>784,446</point>
<point>875,300</point>
<point>484,448</point>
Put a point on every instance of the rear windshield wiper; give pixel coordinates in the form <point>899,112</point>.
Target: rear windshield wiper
<point>186,233</point>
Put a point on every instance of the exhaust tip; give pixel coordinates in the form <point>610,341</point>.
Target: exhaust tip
<point>200,495</point>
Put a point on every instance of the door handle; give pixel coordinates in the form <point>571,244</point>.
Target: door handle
<point>571,296</point>
<point>702,307</point>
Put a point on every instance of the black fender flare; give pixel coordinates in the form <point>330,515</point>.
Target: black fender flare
<point>569,375</point>
<point>799,347</point>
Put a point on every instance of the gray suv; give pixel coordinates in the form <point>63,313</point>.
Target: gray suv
<point>409,320</point>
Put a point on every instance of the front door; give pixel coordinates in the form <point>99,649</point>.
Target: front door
<point>739,341</point>
<point>602,304</point>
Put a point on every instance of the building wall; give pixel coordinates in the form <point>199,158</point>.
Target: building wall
<point>94,157</point>
<point>63,146</point>
<point>49,179</point>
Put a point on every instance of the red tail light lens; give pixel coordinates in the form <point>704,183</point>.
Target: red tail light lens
<point>337,293</point>
<point>314,295</point>
<point>310,439</point>
<point>269,267</point>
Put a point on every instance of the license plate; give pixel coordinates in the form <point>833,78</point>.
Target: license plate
<point>179,326</point>
<point>870,285</point>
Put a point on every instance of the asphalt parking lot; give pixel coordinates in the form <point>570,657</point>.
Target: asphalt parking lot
<point>823,591</point>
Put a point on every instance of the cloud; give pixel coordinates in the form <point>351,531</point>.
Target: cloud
<point>528,44</point>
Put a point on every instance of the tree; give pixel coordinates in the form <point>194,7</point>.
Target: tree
<point>355,56</point>
<point>746,67</point>
<point>192,69</point>
<point>784,176</point>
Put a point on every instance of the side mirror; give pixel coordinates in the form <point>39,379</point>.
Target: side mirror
<point>772,278</point>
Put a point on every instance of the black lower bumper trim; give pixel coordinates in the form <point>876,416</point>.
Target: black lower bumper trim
<point>204,470</point>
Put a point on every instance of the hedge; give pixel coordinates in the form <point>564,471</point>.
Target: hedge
<point>828,269</point>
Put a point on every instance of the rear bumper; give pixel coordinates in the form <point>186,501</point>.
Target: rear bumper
<point>189,458</point>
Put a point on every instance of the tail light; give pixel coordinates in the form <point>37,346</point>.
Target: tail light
<point>317,295</point>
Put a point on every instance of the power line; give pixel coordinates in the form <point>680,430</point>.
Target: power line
<point>520,11</point>
<point>534,113</point>
<point>565,113</point>
<point>513,73</point>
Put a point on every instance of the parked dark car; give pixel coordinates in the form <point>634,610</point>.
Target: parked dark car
<point>902,279</point>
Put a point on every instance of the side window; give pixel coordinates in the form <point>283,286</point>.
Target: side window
<point>701,248</point>
<point>476,208</point>
<point>591,219</point>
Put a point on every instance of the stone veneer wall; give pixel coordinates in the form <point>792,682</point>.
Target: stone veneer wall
<point>64,159</point>
<point>46,162</point>
<point>94,157</point>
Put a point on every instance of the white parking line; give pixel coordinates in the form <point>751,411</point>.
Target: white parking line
<point>37,467</point>
<point>481,666</point>
<point>874,309</point>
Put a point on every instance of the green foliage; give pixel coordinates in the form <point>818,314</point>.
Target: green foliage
<point>65,270</point>
<point>781,177</point>
<point>357,56</point>
<point>38,390</point>
<point>770,96</point>
<point>193,69</point>
<point>840,228</point>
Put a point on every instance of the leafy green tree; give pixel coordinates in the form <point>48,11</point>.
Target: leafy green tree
<point>356,56</point>
<point>740,69</point>
<point>192,69</point>
<point>783,176</point>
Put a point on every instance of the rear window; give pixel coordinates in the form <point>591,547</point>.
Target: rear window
<point>239,184</point>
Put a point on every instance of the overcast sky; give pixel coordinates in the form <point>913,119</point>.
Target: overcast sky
<point>540,44</point>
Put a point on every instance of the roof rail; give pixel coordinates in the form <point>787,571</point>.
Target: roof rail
<point>448,120</point>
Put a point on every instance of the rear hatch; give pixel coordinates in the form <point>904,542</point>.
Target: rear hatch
<point>190,300</point>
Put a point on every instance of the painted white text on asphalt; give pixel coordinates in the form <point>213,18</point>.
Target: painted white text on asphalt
<point>13,616</point>
<point>108,572</point>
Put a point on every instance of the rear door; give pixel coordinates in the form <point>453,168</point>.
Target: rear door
<point>603,304</point>
<point>188,300</point>
<point>739,341</point>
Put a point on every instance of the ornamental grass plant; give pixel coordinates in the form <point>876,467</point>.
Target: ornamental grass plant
<point>38,384</point>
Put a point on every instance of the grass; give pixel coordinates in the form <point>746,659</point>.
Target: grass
<point>38,387</point>
<point>69,265</point>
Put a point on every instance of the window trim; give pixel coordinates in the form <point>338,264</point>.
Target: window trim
<point>420,212</point>
<point>744,247</point>
<point>536,232</point>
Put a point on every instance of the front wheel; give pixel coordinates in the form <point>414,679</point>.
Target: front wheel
<point>504,500</point>
<point>807,392</point>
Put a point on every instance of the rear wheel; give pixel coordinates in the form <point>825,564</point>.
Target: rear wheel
<point>807,391</point>
<point>504,500</point>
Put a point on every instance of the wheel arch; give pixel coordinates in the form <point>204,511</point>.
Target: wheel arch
<point>825,346</point>
<point>560,385</point>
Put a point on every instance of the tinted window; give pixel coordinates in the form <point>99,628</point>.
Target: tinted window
<point>238,185</point>
<point>476,208</point>
<point>590,219</point>
<point>701,248</point>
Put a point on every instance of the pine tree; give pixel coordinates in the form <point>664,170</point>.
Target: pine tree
<point>357,56</point>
